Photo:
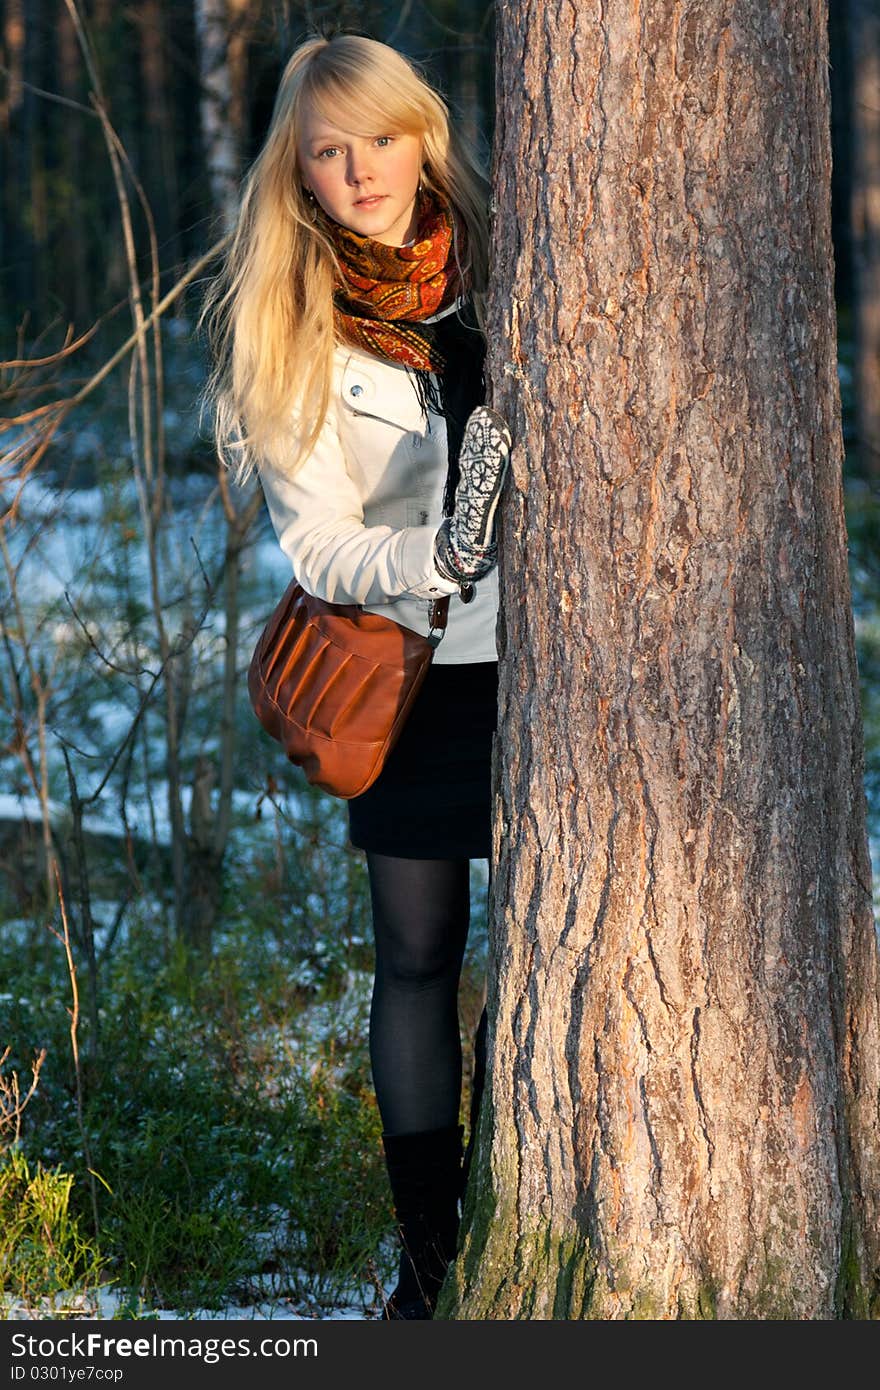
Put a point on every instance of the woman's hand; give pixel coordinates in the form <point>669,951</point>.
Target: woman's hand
<point>464,548</point>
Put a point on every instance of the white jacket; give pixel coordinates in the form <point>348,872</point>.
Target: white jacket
<point>358,517</point>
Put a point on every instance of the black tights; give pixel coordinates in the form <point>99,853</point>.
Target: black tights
<point>421,914</point>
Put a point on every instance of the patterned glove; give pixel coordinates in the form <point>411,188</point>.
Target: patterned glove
<point>464,548</point>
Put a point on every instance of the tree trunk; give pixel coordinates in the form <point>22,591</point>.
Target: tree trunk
<point>241,19</point>
<point>684,1051</point>
<point>864,36</point>
<point>70,228</point>
<point>204,865</point>
<point>222,158</point>
<point>13,226</point>
<point>210,818</point>
<point>160,171</point>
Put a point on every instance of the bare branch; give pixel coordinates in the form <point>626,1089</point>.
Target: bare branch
<point>12,1104</point>
<point>74,1045</point>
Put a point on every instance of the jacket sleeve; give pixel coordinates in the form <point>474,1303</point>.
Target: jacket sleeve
<point>318,517</point>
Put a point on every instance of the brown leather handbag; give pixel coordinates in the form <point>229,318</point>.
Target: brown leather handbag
<point>334,685</point>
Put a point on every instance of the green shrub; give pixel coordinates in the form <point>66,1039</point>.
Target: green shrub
<point>228,1110</point>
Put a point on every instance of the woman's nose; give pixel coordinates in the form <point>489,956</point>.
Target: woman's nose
<point>360,169</point>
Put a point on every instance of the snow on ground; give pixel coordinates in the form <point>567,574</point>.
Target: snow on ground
<point>108,1305</point>
<point>104,1304</point>
<point>140,820</point>
<point>14,807</point>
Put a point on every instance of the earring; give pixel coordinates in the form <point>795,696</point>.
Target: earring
<point>313,206</point>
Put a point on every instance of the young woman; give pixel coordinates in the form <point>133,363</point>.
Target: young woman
<point>346,324</point>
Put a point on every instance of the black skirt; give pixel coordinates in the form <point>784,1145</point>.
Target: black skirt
<point>432,799</point>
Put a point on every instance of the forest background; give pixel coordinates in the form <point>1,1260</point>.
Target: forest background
<point>184,932</point>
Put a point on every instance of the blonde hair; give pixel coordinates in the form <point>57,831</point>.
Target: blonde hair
<point>269,311</point>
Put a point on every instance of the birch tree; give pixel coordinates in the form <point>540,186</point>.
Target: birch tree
<point>221,57</point>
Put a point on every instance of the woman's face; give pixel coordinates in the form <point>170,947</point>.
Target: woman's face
<point>368,183</point>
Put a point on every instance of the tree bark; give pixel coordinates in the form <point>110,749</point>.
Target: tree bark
<point>13,229</point>
<point>684,1051</point>
<point>241,23</point>
<point>204,866</point>
<point>70,225</point>
<point>160,172</point>
<point>222,157</point>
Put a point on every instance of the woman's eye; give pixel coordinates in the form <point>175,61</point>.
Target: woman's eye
<point>331,149</point>
<point>384,140</point>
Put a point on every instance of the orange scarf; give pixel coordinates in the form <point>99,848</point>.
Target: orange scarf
<point>383,288</point>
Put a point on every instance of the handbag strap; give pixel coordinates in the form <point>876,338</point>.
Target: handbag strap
<point>437,619</point>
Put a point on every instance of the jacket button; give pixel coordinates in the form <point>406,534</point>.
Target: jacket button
<point>356,390</point>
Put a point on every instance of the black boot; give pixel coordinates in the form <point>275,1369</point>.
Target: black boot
<point>424,1170</point>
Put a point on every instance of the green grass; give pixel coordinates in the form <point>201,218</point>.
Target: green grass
<point>228,1111</point>
<point>224,1134</point>
<point>49,1264</point>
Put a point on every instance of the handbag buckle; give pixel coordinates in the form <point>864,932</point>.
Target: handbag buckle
<point>437,618</point>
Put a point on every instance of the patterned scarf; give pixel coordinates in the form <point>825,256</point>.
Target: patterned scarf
<point>387,292</point>
<point>385,289</point>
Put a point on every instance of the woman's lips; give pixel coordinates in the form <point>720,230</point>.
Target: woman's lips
<point>370,202</point>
